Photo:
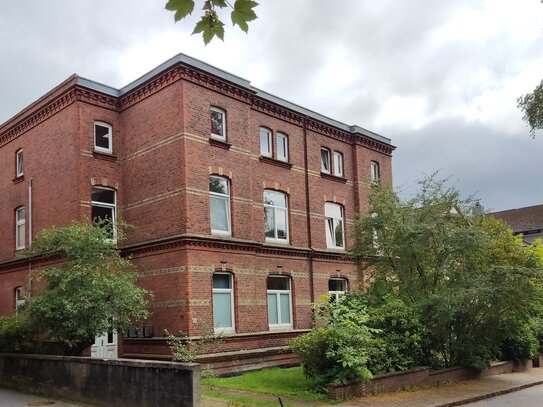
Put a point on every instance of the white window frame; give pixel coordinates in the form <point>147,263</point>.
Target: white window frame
<point>223,112</point>
<point>375,171</point>
<point>108,205</point>
<point>275,210</point>
<point>282,136</point>
<point>338,164</point>
<point>329,161</point>
<point>226,198</point>
<point>19,163</point>
<point>108,150</point>
<point>330,224</point>
<point>335,293</point>
<point>20,224</point>
<point>269,152</point>
<point>278,293</point>
<point>232,308</point>
<point>19,299</point>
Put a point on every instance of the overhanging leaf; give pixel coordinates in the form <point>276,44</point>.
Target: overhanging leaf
<point>182,8</point>
<point>243,13</point>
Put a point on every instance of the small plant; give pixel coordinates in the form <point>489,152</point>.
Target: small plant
<point>184,349</point>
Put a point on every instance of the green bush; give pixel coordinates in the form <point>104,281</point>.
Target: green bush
<point>337,352</point>
<point>521,341</point>
<point>16,334</point>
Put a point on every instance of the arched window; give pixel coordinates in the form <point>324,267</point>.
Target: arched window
<point>219,203</point>
<point>334,224</point>
<point>276,216</point>
<point>223,301</point>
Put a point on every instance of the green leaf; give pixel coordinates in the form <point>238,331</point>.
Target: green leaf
<point>182,8</point>
<point>210,27</point>
<point>243,13</point>
<point>219,3</point>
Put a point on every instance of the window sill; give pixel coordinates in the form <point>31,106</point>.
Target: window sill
<point>280,242</point>
<point>104,156</point>
<point>273,161</point>
<point>219,143</point>
<point>18,179</point>
<point>333,177</point>
<point>276,328</point>
<point>336,249</point>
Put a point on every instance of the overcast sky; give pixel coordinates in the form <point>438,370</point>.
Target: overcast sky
<point>440,78</point>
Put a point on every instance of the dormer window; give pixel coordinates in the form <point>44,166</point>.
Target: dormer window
<point>103,140</point>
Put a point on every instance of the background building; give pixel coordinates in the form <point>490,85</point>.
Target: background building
<point>241,202</point>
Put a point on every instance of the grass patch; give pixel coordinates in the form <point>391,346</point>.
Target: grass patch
<point>242,401</point>
<point>276,381</point>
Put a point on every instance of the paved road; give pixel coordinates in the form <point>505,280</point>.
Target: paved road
<point>530,397</point>
<point>10,398</point>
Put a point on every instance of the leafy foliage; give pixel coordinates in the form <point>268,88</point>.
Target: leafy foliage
<point>531,105</point>
<point>16,334</point>
<point>466,277</point>
<point>337,352</point>
<point>92,289</point>
<point>210,24</point>
<point>185,349</point>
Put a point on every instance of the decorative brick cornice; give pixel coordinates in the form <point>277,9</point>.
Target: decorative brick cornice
<point>142,92</point>
<point>374,145</point>
<point>95,98</point>
<point>35,118</point>
<point>327,130</point>
<point>211,82</point>
<point>274,110</point>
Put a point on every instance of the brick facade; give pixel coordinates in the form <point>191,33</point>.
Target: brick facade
<point>160,167</point>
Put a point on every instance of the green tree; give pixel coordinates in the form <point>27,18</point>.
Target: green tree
<point>471,281</point>
<point>210,25</point>
<point>90,290</point>
<point>531,105</point>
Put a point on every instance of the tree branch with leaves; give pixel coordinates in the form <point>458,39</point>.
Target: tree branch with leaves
<point>210,25</point>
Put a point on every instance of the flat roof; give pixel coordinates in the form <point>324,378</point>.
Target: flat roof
<point>241,82</point>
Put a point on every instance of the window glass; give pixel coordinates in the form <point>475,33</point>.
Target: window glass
<point>219,203</point>
<point>223,301</point>
<point>374,171</point>
<point>334,224</point>
<point>325,160</point>
<point>218,123</point>
<point>20,238</point>
<point>19,163</point>
<point>273,316</point>
<point>103,209</point>
<point>265,142</point>
<point>275,215</point>
<point>278,283</point>
<point>279,301</point>
<point>338,164</point>
<point>337,287</point>
<point>282,147</point>
<point>102,137</point>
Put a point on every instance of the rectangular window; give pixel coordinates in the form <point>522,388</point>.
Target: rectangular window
<point>338,164</point>
<point>325,160</point>
<point>20,240</point>
<point>19,163</point>
<point>276,216</point>
<point>334,224</point>
<point>19,298</point>
<point>103,141</point>
<point>103,208</point>
<point>279,302</point>
<point>219,202</point>
<point>223,302</point>
<point>337,287</point>
<point>218,123</point>
<point>282,147</point>
<point>374,168</point>
<point>265,142</point>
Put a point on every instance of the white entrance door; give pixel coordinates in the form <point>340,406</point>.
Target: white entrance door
<point>105,346</point>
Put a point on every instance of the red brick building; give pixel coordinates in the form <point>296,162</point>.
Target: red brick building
<point>241,201</point>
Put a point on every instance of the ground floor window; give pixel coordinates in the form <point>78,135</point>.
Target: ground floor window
<point>279,301</point>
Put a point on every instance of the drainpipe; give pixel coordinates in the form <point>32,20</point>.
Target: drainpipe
<point>29,236</point>
<point>307,209</point>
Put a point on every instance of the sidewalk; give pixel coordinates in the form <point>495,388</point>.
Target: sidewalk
<point>454,394</point>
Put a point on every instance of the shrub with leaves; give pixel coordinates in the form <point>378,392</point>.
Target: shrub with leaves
<point>338,351</point>
<point>185,349</point>
<point>89,290</point>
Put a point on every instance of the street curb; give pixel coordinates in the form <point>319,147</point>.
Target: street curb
<point>490,395</point>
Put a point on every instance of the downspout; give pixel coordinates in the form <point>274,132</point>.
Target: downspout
<point>29,293</point>
<point>308,216</point>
